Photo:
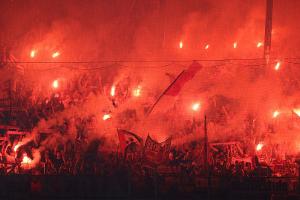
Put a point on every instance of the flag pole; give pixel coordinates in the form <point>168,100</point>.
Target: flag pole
<point>205,144</point>
<point>268,31</point>
<point>206,158</point>
<point>165,91</point>
<point>117,154</point>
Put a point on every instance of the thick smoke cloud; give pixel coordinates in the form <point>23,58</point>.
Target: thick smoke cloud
<point>151,30</point>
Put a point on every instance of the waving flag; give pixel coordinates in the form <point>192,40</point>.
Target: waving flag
<point>128,140</point>
<point>176,86</point>
<point>182,78</point>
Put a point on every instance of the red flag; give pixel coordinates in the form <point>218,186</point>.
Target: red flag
<point>183,77</point>
<point>127,138</point>
<point>177,84</point>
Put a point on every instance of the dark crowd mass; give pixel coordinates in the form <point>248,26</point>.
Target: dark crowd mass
<point>127,99</point>
<point>67,148</point>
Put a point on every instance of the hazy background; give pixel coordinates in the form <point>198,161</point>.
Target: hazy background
<point>136,30</point>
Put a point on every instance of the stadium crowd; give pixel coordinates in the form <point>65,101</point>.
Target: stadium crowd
<point>77,154</point>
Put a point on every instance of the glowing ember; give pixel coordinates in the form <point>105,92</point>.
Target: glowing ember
<point>276,114</point>
<point>195,106</point>
<point>16,147</point>
<point>206,46</point>
<point>26,159</point>
<point>180,44</point>
<point>55,54</point>
<point>113,91</point>
<point>55,84</point>
<point>32,53</point>
<point>137,91</point>
<point>259,147</point>
<point>259,44</point>
<point>106,117</point>
<point>297,111</point>
<point>277,66</point>
<point>235,45</point>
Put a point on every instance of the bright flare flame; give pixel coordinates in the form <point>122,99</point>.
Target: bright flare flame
<point>276,114</point>
<point>259,44</point>
<point>55,54</point>
<point>277,66</point>
<point>113,91</point>
<point>137,91</point>
<point>259,146</point>
<point>55,84</point>
<point>16,147</point>
<point>206,46</point>
<point>106,117</point>
<point>297,111</point>
<point>235,45</point>
<point>180,44</point>
<point>26,159</point>
<point>32,53</point>
<point>195,106</point>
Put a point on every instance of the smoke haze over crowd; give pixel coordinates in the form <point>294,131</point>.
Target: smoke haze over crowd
<point>133,43</point>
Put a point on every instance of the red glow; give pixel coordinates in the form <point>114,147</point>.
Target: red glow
<point>196,106</point>
<point>55,54</point>
<point>26,159</point>
<point>276,114</point>
<point>235,45</point>
<point>259,44</point>
<point>180,44</point>
<point>259,147</point>
<point>113,91</point>
<point>55,84</point>
<point>297,111</point>
<point>33,53</point>
<point>106,117</point>
<point>16,147</point>
<point>137,91</point>
<point>277,66</point>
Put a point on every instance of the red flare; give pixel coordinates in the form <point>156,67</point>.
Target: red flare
<point>55,54</point>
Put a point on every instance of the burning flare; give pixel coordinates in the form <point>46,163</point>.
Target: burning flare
<point>113,91</point>
<point>26,159</point>
<point>55,54</point>
<point>259,147</point>
<point>206,46</point>
<point>55,84</point>
<point>276,114</point>
<point>17,147</point>
<point>277,66</point>
<point>195,106</point>
<point>235,45</point>
<point>180,44</point>
<point>137,91</point>
<point>259,44</point>
<point>106,117</point>
<point>297,111</point>
<point>32,53</point>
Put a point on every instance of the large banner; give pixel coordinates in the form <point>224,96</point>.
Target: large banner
<point>155,152</point>
<point>129,142</point>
